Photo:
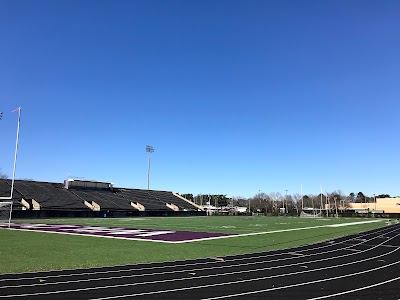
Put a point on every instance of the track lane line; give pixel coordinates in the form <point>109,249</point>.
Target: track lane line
<point>356,290</point>
<point>376,231</point>
<point>215,267</point>
<point>247,293</point>
<point>189,278</point>
<point>247,256</point>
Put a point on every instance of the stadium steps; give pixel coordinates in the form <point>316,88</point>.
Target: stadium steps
<point>53,196</point>
<point>48,195</point>
<point>5,191</point>
<point>144,198</point>
<point>107,200</point>
<point>169,197</point>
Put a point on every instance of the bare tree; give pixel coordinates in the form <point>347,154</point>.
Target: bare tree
<point>3,175</point>
<point>297,202</point>
<point>239,201</point>
<point>277,199</point>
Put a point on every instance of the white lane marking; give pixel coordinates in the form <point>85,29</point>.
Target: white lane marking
<point>207,262</point>
<point>295,229</point>
<point>198,277</point>
<point>356,290</point>
<point>354,223</point>
<point>292,285</point>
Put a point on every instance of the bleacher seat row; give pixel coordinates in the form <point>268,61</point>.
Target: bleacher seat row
<point>34,195</point>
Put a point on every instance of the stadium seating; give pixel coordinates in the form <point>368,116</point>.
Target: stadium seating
<point>169,197</point>
<point>34,195</point>
<point>48,195</point>
<point>104,198</point>
<point>5,191</point>
<point>144,198</point>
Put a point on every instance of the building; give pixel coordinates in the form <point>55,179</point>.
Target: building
<point>382,205</point>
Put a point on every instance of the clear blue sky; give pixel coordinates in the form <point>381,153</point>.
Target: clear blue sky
<point>235,96</point>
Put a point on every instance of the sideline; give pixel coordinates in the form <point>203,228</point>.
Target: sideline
<point>192,239</point>
<point>286,230</point>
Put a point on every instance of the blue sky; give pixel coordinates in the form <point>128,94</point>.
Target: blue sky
<point>236,97</point>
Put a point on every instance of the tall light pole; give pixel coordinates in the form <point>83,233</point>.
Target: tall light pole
<point>149,149</point>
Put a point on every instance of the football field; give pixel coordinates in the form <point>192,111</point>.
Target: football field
<point>78,244</point>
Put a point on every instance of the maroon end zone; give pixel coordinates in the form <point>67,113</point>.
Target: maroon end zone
<point>154,235</point>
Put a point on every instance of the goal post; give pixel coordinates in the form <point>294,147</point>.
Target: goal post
<point>6,212</point>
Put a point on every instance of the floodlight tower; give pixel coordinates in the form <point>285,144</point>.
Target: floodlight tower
<point>149,149</point>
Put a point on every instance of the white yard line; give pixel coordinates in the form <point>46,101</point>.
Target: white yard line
<point>292,229</point>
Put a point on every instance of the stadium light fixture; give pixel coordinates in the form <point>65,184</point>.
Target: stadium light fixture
<point>15,154</point>
<point>149,150</point>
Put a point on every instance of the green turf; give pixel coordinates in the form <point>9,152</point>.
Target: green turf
<point>22,251</point>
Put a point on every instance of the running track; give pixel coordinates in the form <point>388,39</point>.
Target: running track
<point>362,266</point>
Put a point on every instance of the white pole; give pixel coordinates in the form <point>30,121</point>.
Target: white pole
<point>15,156</point>
<point>321,200</point>
<point>336,208</point>
<point>327,204</point>
<point>9,219</point>
<point>302,200</point>
<point>16,151</point>
<point>286,202</point>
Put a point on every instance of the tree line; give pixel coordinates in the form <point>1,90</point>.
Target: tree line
<point>275,202</point>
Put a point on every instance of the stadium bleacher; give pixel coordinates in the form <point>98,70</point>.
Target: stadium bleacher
<point>48,195</point>
<point>35,195</point>
<point>105,199</point>
<point>5,191</point>
<point>144,198</point>
<point>169,197</point>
